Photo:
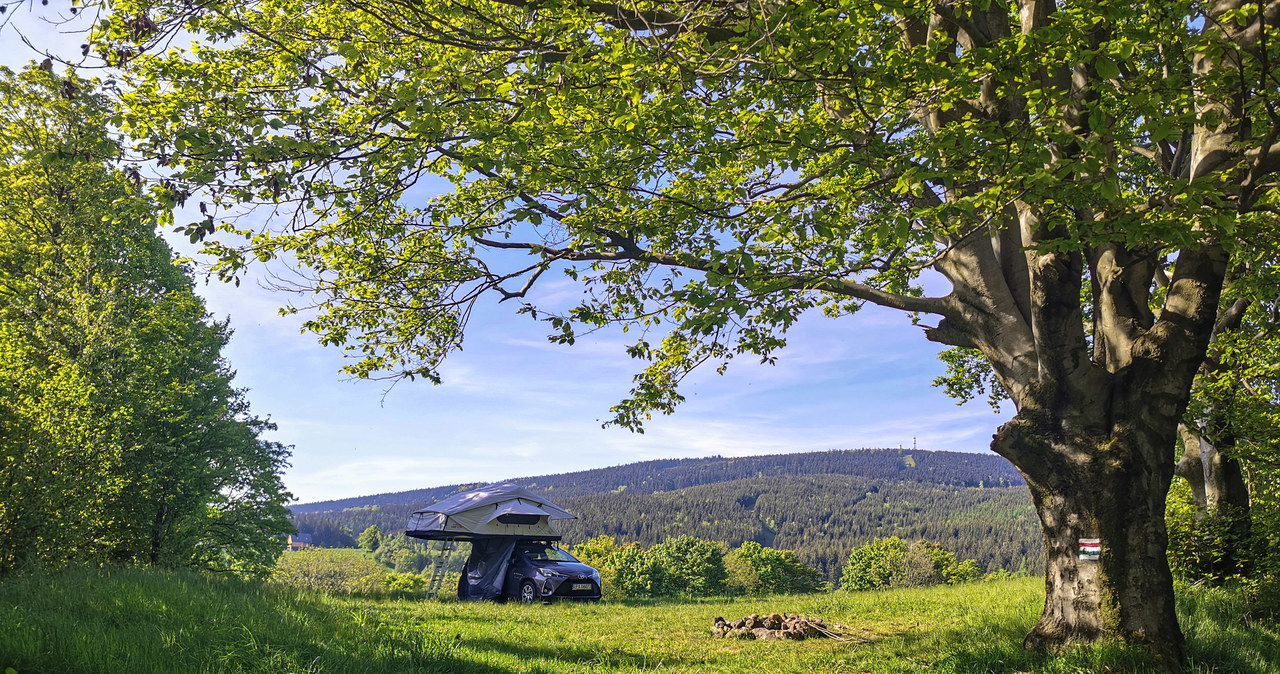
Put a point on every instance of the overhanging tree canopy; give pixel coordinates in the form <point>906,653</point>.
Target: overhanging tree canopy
<point>1081,173</point>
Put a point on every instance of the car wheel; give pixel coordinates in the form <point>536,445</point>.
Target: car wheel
<point>528,592</point>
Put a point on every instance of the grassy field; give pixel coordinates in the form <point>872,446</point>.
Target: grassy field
<point>151,621</point>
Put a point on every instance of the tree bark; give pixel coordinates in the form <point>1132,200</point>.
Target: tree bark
<point>1217,480</point>
<point>1221,493</point>
<point>1095,438</point>
<point>1112,491</point>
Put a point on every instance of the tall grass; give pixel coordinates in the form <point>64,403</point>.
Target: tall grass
<point>139,620</point>
<point>155,621</point>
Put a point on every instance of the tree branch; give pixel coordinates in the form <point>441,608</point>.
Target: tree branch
<point>628,250</point>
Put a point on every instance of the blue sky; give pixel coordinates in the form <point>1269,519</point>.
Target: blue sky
<point>513,405</point>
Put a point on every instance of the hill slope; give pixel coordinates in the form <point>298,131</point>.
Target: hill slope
<point>822,517</point>
<point>819,504</point>
<point>954,468</point>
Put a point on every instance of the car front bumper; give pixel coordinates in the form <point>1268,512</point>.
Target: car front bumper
<point>570,587</point>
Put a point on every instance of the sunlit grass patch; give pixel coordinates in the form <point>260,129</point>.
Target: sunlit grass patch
<point>154,621</point>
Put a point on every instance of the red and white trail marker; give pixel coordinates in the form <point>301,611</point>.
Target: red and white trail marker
<point>1090,549</point>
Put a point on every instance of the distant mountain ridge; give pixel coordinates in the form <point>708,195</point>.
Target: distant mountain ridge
<point>959,469</point>
<point>819,504</point>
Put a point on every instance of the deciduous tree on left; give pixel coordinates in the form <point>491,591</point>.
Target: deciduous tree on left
<point>122,439</point>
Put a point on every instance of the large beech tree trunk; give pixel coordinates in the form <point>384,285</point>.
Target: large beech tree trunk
<point>1112,491</point>
<point>1095,438</point>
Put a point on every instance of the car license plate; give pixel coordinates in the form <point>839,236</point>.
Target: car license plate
<point>582,586</point>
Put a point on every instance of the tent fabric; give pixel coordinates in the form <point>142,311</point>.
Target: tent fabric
<point>495,493</point>
<point>503,510</point>
<point>486,570</point>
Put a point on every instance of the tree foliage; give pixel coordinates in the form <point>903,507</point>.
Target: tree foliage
<point>370,538</point>
<point>773,153</point>
<point>709,173</point>
<point>892,562</point>
<point>121,437</point>
<point>755,569</point>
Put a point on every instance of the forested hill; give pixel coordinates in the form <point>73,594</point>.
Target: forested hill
<point>822,517</point>
<point>819,504</point>
<point>647,477</point>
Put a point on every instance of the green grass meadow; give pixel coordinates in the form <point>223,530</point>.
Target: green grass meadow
<point>140,620</point>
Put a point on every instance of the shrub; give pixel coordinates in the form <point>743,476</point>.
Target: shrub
<point>405,584</point>
<point>635,574</point>
<point>962,572</point>
<point>891,562</point>
<point>599,553</point>
<point>875,565</point>
<point>744,578</point>
<point>755,569</point>
<point>937,565</point>
<point>687,565</point>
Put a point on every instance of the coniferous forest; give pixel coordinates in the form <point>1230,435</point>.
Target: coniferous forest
<point>819,504</point>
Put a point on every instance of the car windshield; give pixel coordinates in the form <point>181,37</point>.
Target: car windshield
<point>546,553</point>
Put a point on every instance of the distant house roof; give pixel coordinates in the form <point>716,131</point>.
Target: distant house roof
<point>300,538</point>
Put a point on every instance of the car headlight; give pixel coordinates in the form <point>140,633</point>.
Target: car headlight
<point>552,574</point>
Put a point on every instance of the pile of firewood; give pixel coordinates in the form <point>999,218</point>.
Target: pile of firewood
<point>777,626</point>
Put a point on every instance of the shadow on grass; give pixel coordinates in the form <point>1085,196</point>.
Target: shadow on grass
<point>1222,636</point>
<point>140,621</point>
<point>1227,632</point>
<point>606,657</point>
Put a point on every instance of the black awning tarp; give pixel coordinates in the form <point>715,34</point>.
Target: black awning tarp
<point>486,571</point>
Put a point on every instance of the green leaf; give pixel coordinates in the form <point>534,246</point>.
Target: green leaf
<point>1107,69</point>
<point>1109,188</point>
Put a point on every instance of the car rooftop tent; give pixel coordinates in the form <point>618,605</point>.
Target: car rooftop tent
<point>493,519</point>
